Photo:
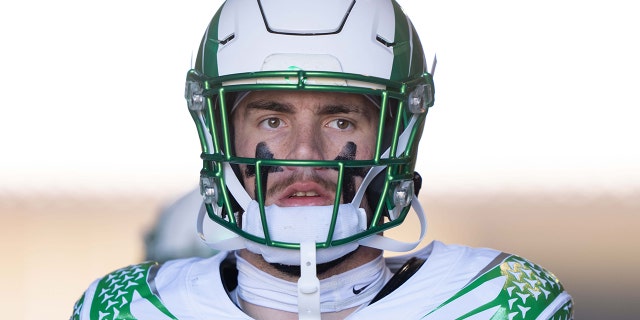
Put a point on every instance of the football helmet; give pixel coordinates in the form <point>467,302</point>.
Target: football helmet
<point>367,47</point>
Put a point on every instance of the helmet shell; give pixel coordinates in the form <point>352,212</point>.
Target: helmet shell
<point>367,37</point>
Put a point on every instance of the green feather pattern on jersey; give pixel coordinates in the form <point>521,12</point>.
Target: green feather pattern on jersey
<point>114,294</point>
<point>527,291</point>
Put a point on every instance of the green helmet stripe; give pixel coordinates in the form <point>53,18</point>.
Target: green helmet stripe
<point>408,59</point>
<point>207,59</point>
<point>402,47</point>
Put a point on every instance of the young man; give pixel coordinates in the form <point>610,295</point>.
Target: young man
<point>309,115</point>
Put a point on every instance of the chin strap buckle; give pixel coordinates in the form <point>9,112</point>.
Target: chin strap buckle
<point>308,284</point>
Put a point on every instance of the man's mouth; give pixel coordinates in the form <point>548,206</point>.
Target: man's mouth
<point>304,194</point>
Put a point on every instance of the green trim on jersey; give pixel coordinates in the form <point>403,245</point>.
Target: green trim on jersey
<point>528,290</point>
<point>114,293</point>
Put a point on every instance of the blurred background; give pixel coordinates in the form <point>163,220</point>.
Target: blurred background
<point>532,147</point>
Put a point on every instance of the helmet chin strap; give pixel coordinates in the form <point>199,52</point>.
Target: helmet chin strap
<point>303,224</point>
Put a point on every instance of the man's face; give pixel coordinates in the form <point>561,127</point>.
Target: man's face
<point>304,126</point>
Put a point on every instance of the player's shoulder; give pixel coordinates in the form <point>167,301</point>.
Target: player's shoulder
<point>461,282</point>
<point>512,288</point>
<point>135,290</point>
<point>441,257</point>
<point>111,296</point>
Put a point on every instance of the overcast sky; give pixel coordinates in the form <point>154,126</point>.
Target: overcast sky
<point>529,94</point>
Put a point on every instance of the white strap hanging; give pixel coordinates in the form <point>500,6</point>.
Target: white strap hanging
<point>385,243</point>
<point>308,284</point>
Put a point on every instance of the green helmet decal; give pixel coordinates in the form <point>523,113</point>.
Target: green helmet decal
<point>409,57</point>
<point>206,59</point>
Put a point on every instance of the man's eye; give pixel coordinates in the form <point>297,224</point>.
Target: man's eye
<point>341,124</point>
<point>272,123</point>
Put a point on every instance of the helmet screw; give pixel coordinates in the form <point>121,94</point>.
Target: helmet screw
<point>193,95</point>
<point>208,189</point>
<point>403,193</point>
<point>420,99</point>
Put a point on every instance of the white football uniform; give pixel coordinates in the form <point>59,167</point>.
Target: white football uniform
<point>454,282</point>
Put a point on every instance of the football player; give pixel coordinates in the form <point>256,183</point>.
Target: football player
<point>309,114</point>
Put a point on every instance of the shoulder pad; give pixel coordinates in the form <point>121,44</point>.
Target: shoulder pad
<point>524,291</point>
<point>119,290</point>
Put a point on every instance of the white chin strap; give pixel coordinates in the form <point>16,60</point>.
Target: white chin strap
<point>310,224</point>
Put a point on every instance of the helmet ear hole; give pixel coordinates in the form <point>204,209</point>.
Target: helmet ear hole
<point>417,183</point>
<point>374,192</point>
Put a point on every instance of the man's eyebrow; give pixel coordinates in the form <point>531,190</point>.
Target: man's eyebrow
<point>323,110</point>
<point>338,108</point>
<point>269,105</point>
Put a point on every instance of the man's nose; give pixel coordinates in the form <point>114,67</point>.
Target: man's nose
<point>307,144</point>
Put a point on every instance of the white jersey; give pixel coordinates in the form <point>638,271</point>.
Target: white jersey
<point>454,282</point>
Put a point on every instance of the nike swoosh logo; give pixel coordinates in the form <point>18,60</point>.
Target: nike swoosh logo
<point>357,291</point>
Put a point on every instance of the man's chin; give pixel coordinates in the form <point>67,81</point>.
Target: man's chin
<point>294,270</point>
